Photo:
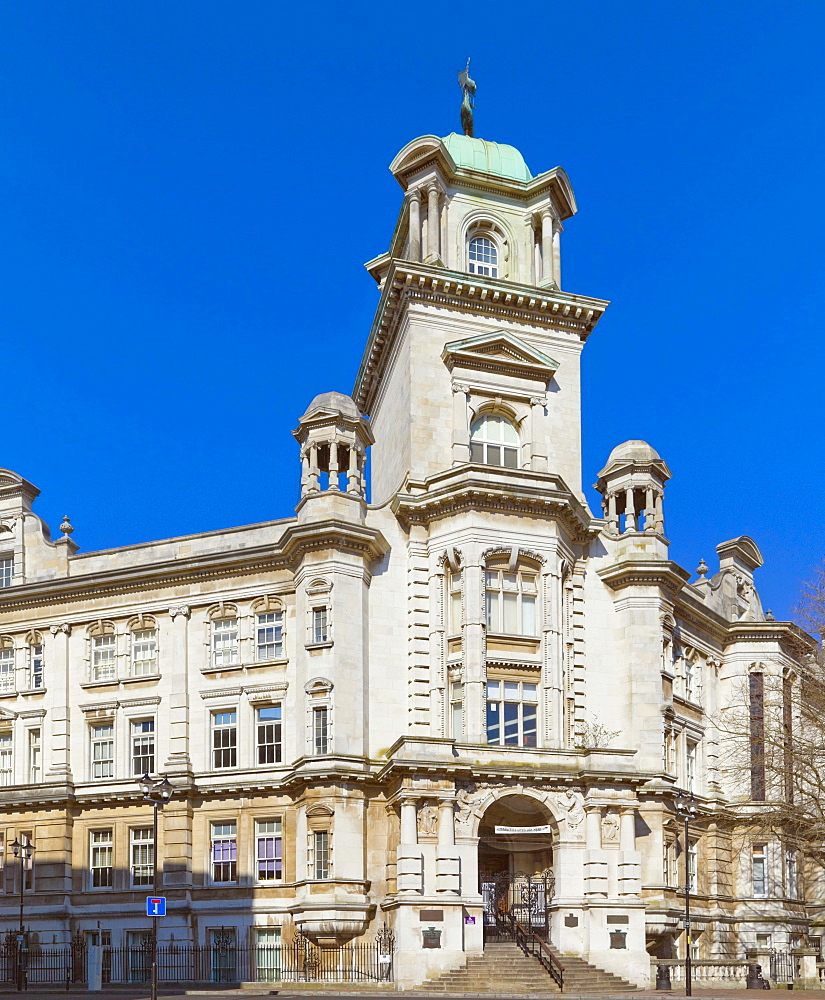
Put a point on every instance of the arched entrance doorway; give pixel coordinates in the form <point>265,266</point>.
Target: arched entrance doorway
<point>515,863</point>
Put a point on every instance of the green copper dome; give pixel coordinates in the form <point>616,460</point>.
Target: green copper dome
<point>488,157</point>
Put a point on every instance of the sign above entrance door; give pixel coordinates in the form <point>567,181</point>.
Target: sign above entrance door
<point>524,829</point>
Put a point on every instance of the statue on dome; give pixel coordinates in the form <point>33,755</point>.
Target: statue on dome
<point>468,88</point>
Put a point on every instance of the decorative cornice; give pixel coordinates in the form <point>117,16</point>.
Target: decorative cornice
<point>409,281</point>
<point>516,491</point>
<point>646,573</point>
<point>332,533</point>
<point>785,633</point>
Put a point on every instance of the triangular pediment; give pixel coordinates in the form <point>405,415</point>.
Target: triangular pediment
<point>499,352</point>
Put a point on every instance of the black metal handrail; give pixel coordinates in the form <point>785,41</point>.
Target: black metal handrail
<point>531,944</point>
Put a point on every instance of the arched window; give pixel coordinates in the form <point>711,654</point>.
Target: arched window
<point>482,257</point>
<point>494,441</point>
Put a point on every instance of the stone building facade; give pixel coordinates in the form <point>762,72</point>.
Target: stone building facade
<point>380,713</point>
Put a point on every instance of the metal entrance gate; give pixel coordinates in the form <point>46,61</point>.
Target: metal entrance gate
<point>525,897</point>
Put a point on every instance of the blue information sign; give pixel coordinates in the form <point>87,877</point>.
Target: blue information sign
<point>156,906</point>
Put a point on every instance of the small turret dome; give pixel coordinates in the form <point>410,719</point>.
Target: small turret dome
<point>336,402</point>
<point>634,451</point>
<point>488,157</point>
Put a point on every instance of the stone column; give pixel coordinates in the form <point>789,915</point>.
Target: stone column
<point>312,472</point>
<point>629,511</point>
<point>627,830</point>
<point>475,729</point>
<point>660,514</point>
<point>538,444</point>
<point>547,268</point>
<point>333,466</point>
<point>57,743</point>
<point>409,825</point>
<point>409,862</point>
<point>612,516</point>
<point>630,860</point>
<point>304,472</point>
<point>557,229</point>
<point>446,823</point>
<point>461,427</point>
<point>353,474</point>
<point>176,647</point>
<point>433,222</point>
<point>447,863</point>
<point>415,223</point>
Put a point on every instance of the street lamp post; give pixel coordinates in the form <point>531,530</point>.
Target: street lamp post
<point>158,793</point>
<point>686,807</point>
<point>24,852</point>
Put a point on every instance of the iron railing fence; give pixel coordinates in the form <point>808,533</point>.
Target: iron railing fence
<point>297,961</point>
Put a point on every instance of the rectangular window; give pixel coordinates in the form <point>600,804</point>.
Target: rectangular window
<point>7,668</point>
<point>224,852</point>
<point>104,665</point>
<point>143,747</point>
<point>455,604</point>
<point>269,636</point>
<point>759,869</point>
<point>6,571</point>
<point>100,859</point>
<point>35,771</point>
<point>319,862</point>
<point>320,625</point>
<point>144,652</point>
<point>692,855</point>
<point>225,650</point>
<point>690,768</point>
<point>224,739</point>
<point>669,863</point>
<point>756,691</point>
<point>28,862</point>
<point>269,851</point>
<point>512,712</point>
<point>103,751</point>
<point>791,877</point>
<point>6,757</point>
<point>673,763</point>
<point>690,679</point>
<point>269,734</point>
<point>457,710</point>
<point>142,850</point>
<point>36,665</point>
<point>510,602</point>
<point>320,730</point>
<point>268,954</point>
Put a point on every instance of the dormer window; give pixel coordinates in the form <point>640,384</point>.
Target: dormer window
<point>482,257</point>
<point>494,441</point>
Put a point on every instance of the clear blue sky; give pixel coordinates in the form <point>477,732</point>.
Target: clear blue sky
<point>189,191</point>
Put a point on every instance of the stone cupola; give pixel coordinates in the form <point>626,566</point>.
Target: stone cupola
<point>632,485</point>
<point>334,438</point>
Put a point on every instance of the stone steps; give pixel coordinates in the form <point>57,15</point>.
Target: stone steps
<point>504,968</point>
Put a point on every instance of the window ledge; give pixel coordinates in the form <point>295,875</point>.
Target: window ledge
<point>137,680</point>
<point>222,670</point>
<point>319,645</point>
<point>100,684</point>
<point>528,641</point>
<point>280,661</point>
<point>30,691</point>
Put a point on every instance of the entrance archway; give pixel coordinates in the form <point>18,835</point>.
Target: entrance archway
<point>515,863</point>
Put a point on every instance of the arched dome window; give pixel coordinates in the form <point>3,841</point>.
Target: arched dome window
<point>482,257</point>
<point>494,441</point>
